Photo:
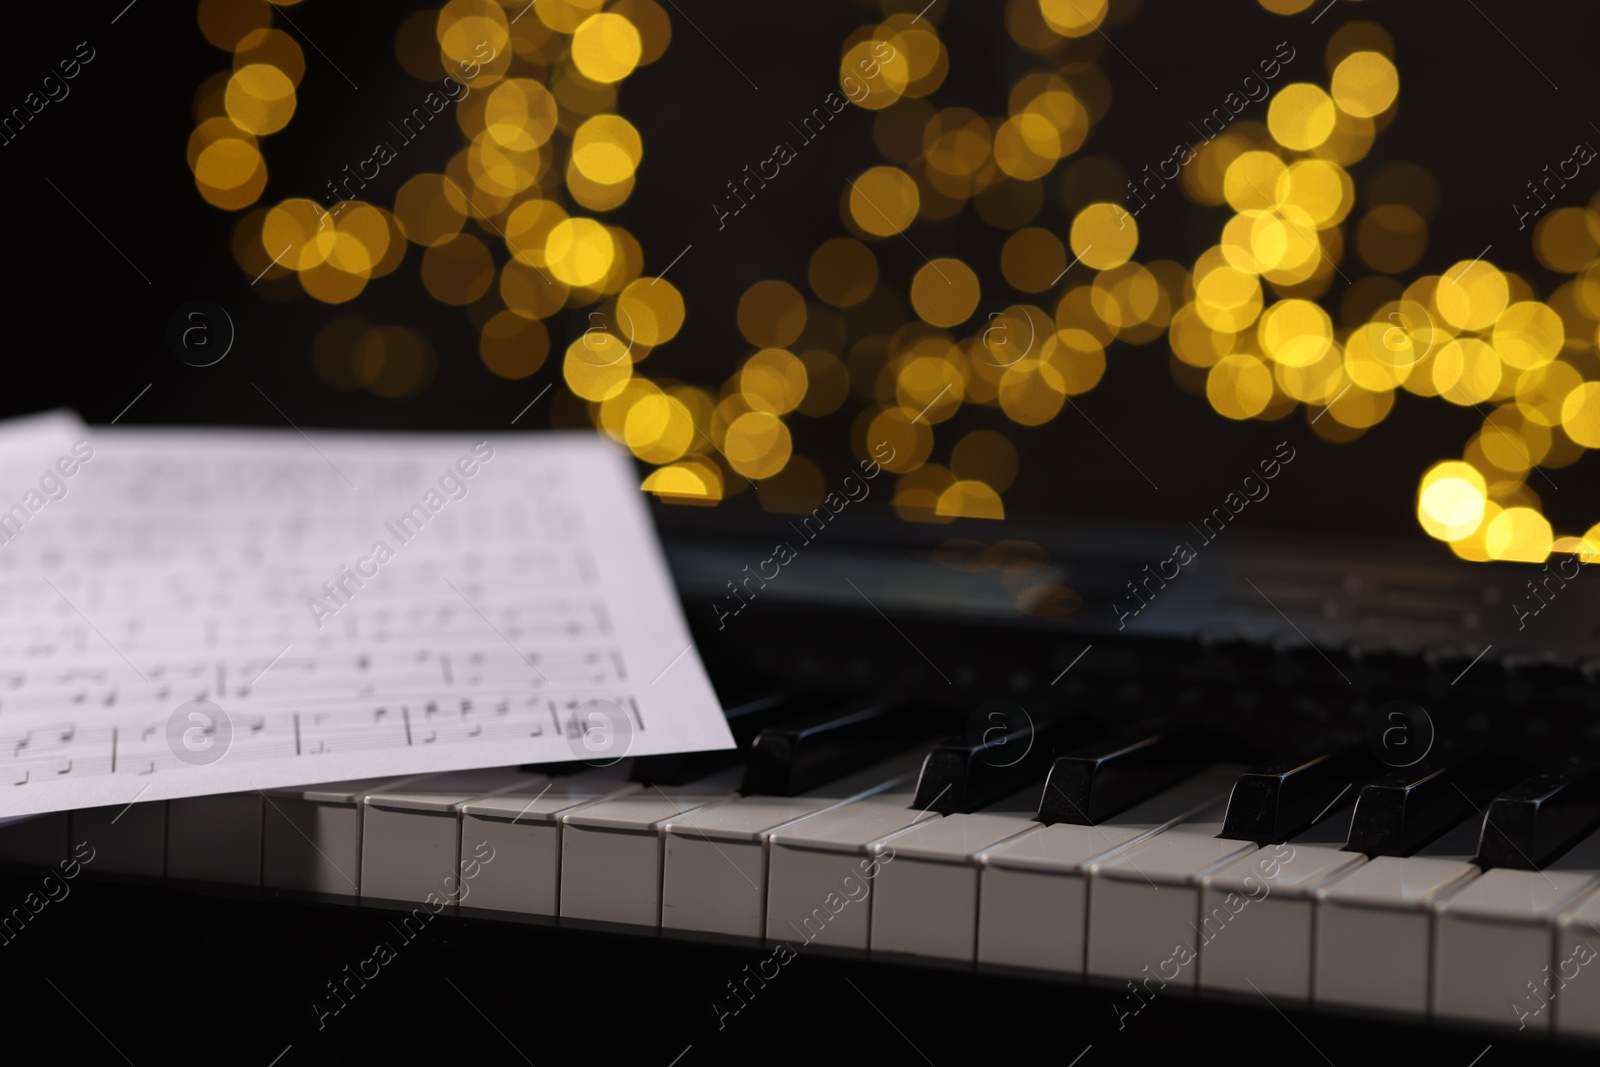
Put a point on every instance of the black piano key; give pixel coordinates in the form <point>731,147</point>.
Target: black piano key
<point>1538,819</point>
<point>745,721</point>
<point>1277,799</point>
<point>815,749</point>
<point>1113,774</point>
<point>964,774</point>
<point>1411,806</point>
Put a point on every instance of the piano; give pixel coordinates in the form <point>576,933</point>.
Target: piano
<point>961,821</point>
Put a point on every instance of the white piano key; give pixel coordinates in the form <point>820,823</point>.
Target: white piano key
<point>1495,938</point>
<point>1257,924</point>
<point>611,851</point>
<point>925,903</point>
<point>1144,900</point>
<point>1374,945</point>
<point>521,831</point>
<point>35,841</point>
<point>714,874</point>
<point>215,838</point>
<point>1034,891</point>
<point>1574,979</point>
<point>820,871</point>
<point>127,838</point>
<point>411,835</point>
<point>311,836</point>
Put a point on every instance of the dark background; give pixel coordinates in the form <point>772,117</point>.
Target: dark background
<point>88,332</point>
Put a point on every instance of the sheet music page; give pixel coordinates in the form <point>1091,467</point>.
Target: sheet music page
<point>185,612</point>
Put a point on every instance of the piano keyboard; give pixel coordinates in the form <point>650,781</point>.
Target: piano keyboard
<point>1124,860</point>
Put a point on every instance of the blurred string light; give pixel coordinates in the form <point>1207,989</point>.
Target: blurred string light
<point>513,230</point>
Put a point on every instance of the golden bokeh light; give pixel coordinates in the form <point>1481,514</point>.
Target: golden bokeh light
<point>1450,500</point>
<point>1528,334</point>
<point>430,209</point>
<point>969,500</point>
<point>1239,386</point>
<point>909,443</point>
<point>1104,236</point>
<point>230,173</point>
<point>520,114</point>
<point>260,99</point>
<point>773,380</point>
<point>658,428</point>
<point>883,201</point>
<point>1073,18</point>
<point>1466,371</point>
<point>1566,240</point>
<point>1472,295</point>
<point>1365,84</point>
<point>1032,392</point>
<point>650,310</point>
<point>757,444</point>
<point>1520,534</point>
<point>595,375</point>
<point>606,47</point>
<point>1580,414</point>
<point>513,346</point>
<point>771,314</point>
<point>1301,116</point>
<point>606,149</point>
<point>944,292</point>
<point>579,251</point>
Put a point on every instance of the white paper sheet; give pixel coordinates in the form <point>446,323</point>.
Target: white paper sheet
<point>341,606</point>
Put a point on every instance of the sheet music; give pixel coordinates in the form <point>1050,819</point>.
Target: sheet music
<point>201,611</point>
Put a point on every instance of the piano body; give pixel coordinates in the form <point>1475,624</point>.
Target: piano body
<point>1322,791</point>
